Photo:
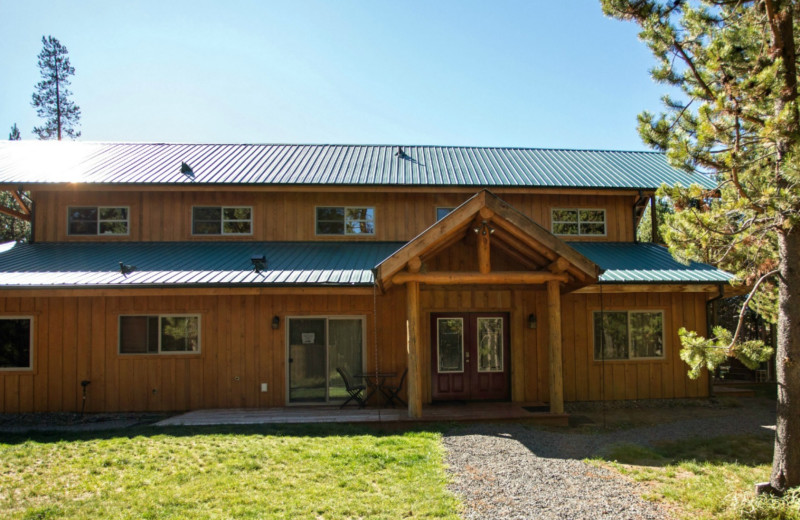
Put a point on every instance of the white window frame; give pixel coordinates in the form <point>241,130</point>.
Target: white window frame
<point>448,208</point>
<point>222,221</point>
<point>345,233</point>
<point>438,354</point>
<point>29,368</point>
<point>159,352</point>
<point>578,222</point>
<point>99,220</point>
<point>630,336</point>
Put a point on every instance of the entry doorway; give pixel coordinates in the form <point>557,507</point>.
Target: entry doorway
<point>317,346</point>
<point>470,355</point>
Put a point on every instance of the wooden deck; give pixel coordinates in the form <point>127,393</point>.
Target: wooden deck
<point>449,412</point>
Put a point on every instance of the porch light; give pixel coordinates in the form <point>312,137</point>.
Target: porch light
<point>483,228</point>
<point>531,321</point>
<point>259,262</point>
<point>276,322</point>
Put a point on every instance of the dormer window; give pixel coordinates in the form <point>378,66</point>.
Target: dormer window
<point>578,222</point>
<point>222,220</point>
<point>345,221</point>
<point>97,220</point>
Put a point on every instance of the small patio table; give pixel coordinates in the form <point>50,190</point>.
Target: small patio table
<point>376,382</point>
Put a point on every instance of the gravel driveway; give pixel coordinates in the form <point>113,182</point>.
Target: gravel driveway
<point>514,471</point>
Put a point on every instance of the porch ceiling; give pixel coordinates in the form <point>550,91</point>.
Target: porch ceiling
<point>489,224</point>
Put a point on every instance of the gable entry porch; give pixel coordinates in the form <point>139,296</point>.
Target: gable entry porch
<point>484,244</point>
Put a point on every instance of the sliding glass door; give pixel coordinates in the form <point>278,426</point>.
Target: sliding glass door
<point>316,348</point>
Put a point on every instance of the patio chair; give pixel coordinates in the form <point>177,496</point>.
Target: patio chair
<point>356,392</point>
<point>393,392</point>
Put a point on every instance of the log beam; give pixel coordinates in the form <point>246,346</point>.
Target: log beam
<point>14,213</point>
<point>497,277</point>
<point>413,345</point>
<point>526,262</point>
<point>554,350</point>
<point>25,209</point>
<point>559,266</point>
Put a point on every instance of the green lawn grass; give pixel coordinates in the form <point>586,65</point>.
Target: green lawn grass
<point>706,478</point>
<point>244,472</point>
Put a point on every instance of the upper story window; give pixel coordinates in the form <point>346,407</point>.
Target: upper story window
<point>97,220</point>
<point>16,352</point>
<point>578,222</point>
<point>442,212</point>
<point>345,220</point>
<point>628,335</point>
<point>222,220</point>
<point>159,334</point>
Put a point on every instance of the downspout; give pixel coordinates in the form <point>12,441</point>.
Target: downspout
<point>33,221</point>
<point>633,218</point>
<point>711,322</point>
<point>653,221</point>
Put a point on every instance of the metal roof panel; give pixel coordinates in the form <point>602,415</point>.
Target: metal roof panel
<point>156,163</point>
<point>288,263</point>
<point>626,262</point>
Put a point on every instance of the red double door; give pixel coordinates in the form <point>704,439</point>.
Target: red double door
<point>470,356</point>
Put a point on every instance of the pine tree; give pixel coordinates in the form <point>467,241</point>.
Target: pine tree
<point>736,117</point>
<point>52,97</point>
<point>14,135</point>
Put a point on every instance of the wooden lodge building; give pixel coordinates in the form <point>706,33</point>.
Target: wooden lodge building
<point>188,276</point>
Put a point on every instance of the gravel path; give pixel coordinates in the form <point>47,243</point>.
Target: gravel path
<point>513,471</point>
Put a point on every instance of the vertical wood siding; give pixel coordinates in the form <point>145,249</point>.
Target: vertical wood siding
<point>75,339</point>
<point>166,216</point>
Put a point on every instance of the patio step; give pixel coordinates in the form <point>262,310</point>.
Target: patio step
<point>733,391</point>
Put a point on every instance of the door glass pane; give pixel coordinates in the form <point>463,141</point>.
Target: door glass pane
<point>490,344</point>
<point>307,381</point>
<point>344,351</point>
<point>450,334</point>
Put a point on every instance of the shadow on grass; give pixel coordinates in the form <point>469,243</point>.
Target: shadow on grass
<point>278,430</point>
<point>743,450</point>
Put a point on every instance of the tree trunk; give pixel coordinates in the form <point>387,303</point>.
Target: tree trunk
<point>786,460</point>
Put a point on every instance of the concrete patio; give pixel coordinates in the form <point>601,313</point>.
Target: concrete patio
<point>447,412</point>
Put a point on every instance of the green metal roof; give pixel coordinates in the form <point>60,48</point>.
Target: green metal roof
<point>645,263</point>
<point>31,162</point>
<point>190,263</point>
<point>228,264</point>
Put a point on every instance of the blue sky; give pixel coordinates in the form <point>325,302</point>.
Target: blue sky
<point>495,73</point>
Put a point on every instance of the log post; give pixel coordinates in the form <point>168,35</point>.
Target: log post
<point>484,257</point>
<point>554,344</point>
<point>413,343</point>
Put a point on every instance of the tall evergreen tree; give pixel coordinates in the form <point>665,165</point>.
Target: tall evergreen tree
<point>52,97</point>
<point>736,116</point>
<point>14,135</point>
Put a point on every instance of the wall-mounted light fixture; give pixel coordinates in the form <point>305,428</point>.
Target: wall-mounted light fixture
<point>531,321</point>
<point>259,262</point>
<point>276,322</point>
